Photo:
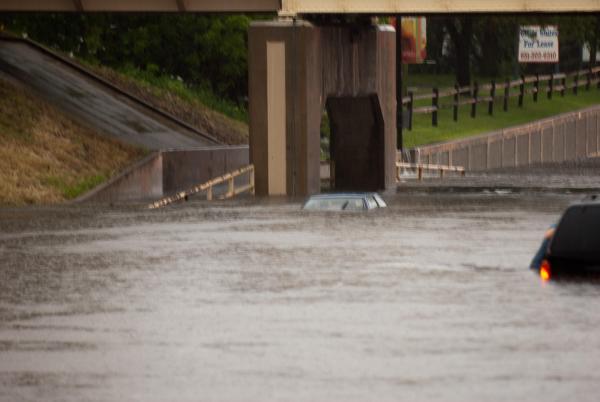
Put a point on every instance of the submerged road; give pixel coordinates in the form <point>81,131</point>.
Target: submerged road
<point>428,300</point>
<point>91,103</point>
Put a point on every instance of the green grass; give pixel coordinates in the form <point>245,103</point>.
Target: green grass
<point>424,133</point>
<point>426,81</point>
<point>429,80</point>
<point>72,191</point>
<point>166,84</point>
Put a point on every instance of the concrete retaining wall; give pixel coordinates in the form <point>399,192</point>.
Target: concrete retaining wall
<point>562,138</point>
<point>167,172</point>
<point>185,169</point>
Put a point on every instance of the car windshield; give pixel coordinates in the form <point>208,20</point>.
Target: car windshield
<point>578,234</point>
<point>335,204</point>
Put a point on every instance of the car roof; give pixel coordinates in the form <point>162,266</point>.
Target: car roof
<point>587,201</point>
<point>593,199</point>
<point>343,195</point>
<point>574,226</point>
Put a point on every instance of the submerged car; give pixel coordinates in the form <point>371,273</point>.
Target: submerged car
<point>572,248</point>
<point>344,202</point>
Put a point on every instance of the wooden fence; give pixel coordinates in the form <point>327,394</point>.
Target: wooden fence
<point>489,93</point>
<point>207,187</point>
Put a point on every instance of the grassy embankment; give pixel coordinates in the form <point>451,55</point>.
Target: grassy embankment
<point>200,108</point>
<point>229,123</point>
<point>424,133</point>
<point>45,157</point>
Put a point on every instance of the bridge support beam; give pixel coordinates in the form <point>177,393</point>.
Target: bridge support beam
<point>296,69</point>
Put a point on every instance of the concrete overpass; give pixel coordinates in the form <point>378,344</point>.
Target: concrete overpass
<point>294,7</point>
<point>298,69</point>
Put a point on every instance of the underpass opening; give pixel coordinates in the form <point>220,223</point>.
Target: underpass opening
<point>357,145</point>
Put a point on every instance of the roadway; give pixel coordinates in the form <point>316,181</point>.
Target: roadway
<point>93,104</point>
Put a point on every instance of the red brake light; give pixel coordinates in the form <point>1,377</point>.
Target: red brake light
<point>545,271</point>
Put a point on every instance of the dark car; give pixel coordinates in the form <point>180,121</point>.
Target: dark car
<point>572,248</point>
<point>344,202</point>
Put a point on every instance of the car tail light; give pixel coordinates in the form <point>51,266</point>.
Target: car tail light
<point>545,271</point>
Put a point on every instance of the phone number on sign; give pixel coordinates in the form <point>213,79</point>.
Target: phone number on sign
<point>538,56</point>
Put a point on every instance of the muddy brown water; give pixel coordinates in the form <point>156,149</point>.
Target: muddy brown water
<point>428,300</point>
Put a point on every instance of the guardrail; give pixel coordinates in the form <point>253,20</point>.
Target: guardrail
<point>423,167</point>
<point>472,95</point>
<point>232,191</point>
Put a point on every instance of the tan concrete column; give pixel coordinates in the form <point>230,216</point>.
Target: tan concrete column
<point>284,149</point>
<point>294,67</point>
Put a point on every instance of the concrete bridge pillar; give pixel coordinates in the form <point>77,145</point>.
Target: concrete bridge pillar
<point>296,70</point>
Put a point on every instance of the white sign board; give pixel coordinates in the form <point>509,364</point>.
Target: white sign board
<point>538,44</point>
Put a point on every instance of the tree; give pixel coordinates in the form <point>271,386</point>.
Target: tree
<point>460,30</point>
<point>208,51</point>
<point>496,44</point>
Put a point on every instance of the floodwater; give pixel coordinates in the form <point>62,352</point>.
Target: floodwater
<point>429,300</point>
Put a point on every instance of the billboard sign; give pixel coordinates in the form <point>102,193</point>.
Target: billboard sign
<point>538,44</point>
<point>414,40</point>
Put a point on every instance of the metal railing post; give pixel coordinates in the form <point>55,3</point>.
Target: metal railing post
<point>522,91</point>
<point>492,95</point>
<point>435,103</point>
<point>506,95</point>
<point>411,104</point>
<point>456,100</point>
<point>474,104</point>
<point>230,187</point>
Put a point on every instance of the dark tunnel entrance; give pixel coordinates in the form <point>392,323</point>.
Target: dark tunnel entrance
<point>357,147</point>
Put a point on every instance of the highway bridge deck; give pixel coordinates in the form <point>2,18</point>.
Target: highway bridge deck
<point>292,7</point>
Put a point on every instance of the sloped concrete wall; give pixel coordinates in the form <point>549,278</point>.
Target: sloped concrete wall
<point>141,181</point>
<point>567,137</point>
<point>167,172</point>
